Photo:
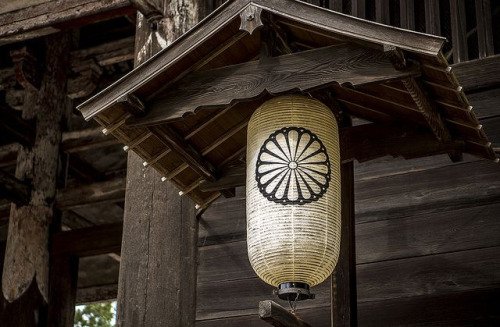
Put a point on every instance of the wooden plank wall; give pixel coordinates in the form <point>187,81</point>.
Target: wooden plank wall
<point>428,245</point>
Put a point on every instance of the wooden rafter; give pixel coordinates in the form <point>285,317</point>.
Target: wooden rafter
<point>194,159</point>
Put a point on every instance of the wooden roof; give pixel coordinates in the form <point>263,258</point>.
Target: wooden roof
<point>185,110</point>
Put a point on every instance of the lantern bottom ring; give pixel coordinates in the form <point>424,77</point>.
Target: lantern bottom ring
<point>293,291</point>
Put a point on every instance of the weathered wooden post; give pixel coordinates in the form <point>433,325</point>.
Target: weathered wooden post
<point>25,282</point>
<point>157,285</point>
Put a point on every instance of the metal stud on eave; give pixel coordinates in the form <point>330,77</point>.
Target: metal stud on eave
<point>293,194</point>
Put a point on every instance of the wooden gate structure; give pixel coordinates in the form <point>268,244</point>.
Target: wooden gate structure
<point>423,247</point>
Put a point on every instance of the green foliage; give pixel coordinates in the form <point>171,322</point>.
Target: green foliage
<point>95,315</point>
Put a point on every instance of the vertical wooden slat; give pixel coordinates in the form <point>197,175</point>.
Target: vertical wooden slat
<point>484,29</point>
<point>358,8</point>
<point>344,290</point>
<point>336,5</point>
<point>382,13</point>
<point>458,31</point>
<point>407,14</point>
<point>432,18</point>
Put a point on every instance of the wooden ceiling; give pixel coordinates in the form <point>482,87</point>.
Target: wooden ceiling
<point>185,110</point>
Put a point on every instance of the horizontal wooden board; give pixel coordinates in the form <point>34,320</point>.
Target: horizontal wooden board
<point>470,308</point>
<point>436,233</point>
<point>455,186</point>
<point>485,103</point>
<point>479,73</point>
<point>395,279</point>
<point>439,189</point>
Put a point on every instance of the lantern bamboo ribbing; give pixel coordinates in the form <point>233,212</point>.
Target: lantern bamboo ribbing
<point>293,191</point>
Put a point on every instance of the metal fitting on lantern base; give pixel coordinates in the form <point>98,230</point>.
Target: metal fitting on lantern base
<point>293,291</point>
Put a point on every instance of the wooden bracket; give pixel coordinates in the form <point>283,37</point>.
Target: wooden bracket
<point>251,19</point>
<point>27,68</point>
<point>429,112</point>
<point>416,90</point>
<point>132,104</point>
<point>274,314</point>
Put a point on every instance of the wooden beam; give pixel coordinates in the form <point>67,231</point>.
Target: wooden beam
<point>104,54</point>
<point>96,293</point>
<point>50,17</point>
<point>86,139</point>
<point>88,241</point>
<point>103,192</point>
<point>274,314</point>
<point>13,189</point>
<point>304,71</point>
<point>111,191</point>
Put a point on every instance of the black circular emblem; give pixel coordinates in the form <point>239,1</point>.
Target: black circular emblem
<point>293,167</point>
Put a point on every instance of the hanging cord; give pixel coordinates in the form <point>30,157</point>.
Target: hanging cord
<point>293,305</point>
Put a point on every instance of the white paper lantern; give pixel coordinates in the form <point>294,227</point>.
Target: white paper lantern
<point>293,194</point>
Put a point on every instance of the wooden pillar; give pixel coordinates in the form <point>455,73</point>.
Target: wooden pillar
<point>157,285</point>
<point>344,293</point>
<point>25,280</point>
<point>62,291</point>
